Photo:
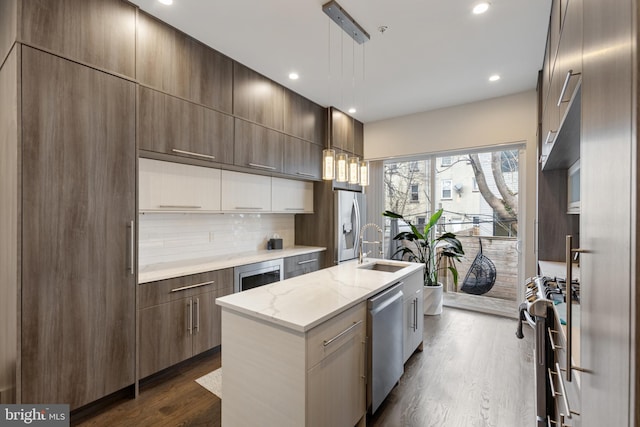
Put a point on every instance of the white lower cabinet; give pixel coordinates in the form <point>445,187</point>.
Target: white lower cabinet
<point>413,327</point>
<point>289,378</point>
<point>245,192</point>
<point>291,196</point>
<point>174,187</point>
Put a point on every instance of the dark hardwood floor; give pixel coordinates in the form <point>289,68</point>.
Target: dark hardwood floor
<point>473,372</point>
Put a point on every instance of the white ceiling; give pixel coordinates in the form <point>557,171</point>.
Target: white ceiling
<point>434,53</point>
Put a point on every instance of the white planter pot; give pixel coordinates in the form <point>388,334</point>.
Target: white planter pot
<point>432,299</point>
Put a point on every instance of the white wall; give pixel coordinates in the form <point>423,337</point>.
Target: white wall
<point>505,120</point>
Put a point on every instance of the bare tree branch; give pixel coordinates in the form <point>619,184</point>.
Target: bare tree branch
<point>496,203</point>
<point>510,200</point>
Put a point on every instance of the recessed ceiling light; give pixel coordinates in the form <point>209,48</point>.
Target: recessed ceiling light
<point>481,8</point>
<point>352,110</point>
<point>494,78</point>
<point>294,76</point>
<point>167,2</point>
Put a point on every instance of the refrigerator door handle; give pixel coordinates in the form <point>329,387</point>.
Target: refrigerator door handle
<point>356,241</point>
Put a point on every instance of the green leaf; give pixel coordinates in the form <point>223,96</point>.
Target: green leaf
<point>392,215</point>
<point>454,272</point>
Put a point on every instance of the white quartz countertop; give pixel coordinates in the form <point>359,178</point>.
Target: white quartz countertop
<point>303,302</point>
<point>169,270</point>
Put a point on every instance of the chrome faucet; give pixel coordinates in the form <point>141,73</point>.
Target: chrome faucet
<point>380,241</point>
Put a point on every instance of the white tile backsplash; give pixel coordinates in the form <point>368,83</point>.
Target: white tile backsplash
<point>166,237</point>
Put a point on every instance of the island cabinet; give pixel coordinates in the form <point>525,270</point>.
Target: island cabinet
<point>314,378</point>
<point>302,264</point>
<point>77,228</point>
<point>100,33</point>
<point>172,62</point>
<point>412,311</point>
<point>258,147</point>
<point>179,318</point>
<point>173,126</point>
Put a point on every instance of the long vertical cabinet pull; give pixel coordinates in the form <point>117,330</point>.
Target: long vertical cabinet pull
<point>569,303</point>
<point>190,327</point>
<point>197,327</point>
<point>132,248</point>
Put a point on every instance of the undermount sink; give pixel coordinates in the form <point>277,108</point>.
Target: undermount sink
<point>383,266</point>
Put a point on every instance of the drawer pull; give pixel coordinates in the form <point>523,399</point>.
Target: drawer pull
<point>554,346</point>
<point>305,174</point>
<point>307,261</point>
<point>346,331</point>
<point>179,207</point>
<point>191,153</point>
<point>184,288</point>
<point>257,165</point>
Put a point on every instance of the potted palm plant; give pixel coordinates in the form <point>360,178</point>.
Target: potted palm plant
<point>423,246</point>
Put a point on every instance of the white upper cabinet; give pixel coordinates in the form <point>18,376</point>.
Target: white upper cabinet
<point>245,192</point>
<point>290,196</point>
<point>175,187</point>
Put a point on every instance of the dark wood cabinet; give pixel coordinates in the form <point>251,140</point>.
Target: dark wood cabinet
<point>302,159</point>
<point>347,134</point>
<point>258,147</point>
<point>303,118</point>
<point>179,318</point>
<point>101,33</point>
<point>173,126</point>
<point>256,98</point>
<point>78,204</point>
<point>173,62</point>
<point>302,264</point>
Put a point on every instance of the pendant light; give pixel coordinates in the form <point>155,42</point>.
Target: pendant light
<point>364,173</point>
<point>341,168</point>
<point>328,164</point>
<point>354,170</point>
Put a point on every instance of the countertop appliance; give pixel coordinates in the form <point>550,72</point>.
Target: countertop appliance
<point>384,332</point>
<point>349,213</point>
<point>258,274</point>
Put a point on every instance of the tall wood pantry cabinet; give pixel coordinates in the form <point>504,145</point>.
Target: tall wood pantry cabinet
<point>69,262</point>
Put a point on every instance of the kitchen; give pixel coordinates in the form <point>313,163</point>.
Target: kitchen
<point>48,229</point>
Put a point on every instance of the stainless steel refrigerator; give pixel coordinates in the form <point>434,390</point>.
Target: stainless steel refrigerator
<point>350,216</point>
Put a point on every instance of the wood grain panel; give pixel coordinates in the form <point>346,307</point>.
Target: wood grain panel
<point>8,26</point>
<point>608,213</point>
<point>167,123</point>
<point>302,159</point>
<point>553,221</point>
<point>342,131</point>
<point>9,227</point>
<point>256,98</point>
<point>154,293</point>
<point>314,229</point>
<point>258,145</point>
<point>175,63</point>
<point>78,296</point>
<point>304,118</point>
<point>97,32</point>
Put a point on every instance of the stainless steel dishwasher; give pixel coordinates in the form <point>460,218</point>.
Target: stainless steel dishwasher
<point>384,329</point>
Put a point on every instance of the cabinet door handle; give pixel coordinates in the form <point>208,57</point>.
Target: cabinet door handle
<point>293,209</point>
<point>190,327</point>
<point>569,304</point>
<point>191,153</point>
<point>184,288</point>
<point>346,331</point>
<point>179,207</point>
<point>253,208</point>
<point>307,261</point>
<point>551,135</point>
<point>132,248</point>
<point>565,86</point>
<point>257,165</point>
<point>197,327</point>
<point>305,174</point>
<point>415,306</point>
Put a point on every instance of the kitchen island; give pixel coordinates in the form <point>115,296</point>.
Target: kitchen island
<point>293,352</point>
